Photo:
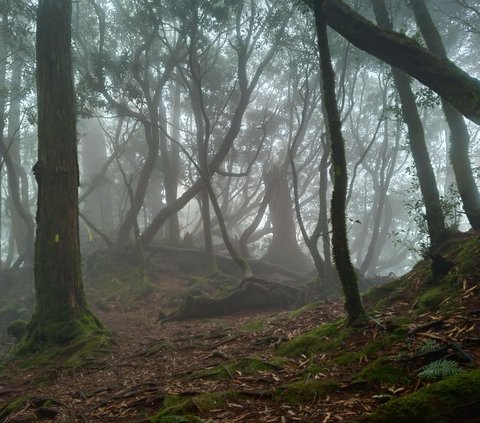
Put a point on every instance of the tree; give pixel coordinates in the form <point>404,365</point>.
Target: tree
<point>441,75</point>
<point>459,136</point>
<point>61,312</point>
<point>341,254</point>
<point>416,138</point>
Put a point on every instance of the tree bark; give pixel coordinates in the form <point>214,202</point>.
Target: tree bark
<point>418,146</point>
<point>437,73</point>
<point>348,277</point>
<point>284,247</point>
<point>459,136</point>
<point>61,312</point>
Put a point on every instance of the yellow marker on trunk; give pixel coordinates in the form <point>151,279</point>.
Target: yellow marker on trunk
<point>57,238</point>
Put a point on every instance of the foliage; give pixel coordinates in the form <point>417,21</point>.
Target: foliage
<point>439,369</point>
<point>428,345</point>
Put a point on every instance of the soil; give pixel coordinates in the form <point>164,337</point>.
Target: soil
<point>150,360</point>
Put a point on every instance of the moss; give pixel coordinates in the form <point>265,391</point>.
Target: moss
<point>254,326</point>
<point>17,329</point>
<point>306,308</point>
<point>449,400</point>
<point>215,285</point>
<point>236,367</point>
<point>13,406</point>
<point>56,331</point>
<point>381,371</point>
<point>432,298</point>
<point>301,392</point>
<point>380,292</point>
<point>468,257</point>
<point>70,346</point>
<point>369,350</point>
<point>324,338</point>
<point>177,407</point>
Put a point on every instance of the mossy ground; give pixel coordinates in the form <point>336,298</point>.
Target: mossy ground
<point>247,365</point>
<point>326,337</point>
<point>301,392</point>
<point>186,409</point>
<point>12,406</point>
<point>326,369</point>
<point>446,401</point>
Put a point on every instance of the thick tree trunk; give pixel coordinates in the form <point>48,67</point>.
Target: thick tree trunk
<point>459,136</point>
<point>437,73</point>
<point>348,277</point>
<point>61,312</point>
<point>284,247</point>
<point>418,146</point>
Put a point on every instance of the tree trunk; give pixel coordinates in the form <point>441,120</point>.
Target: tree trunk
<point>61,312</point>
<point>152,139</point>
<point>348,277</point>
<point>172,176</point>
<point>284,247</point>
<point>459,136</point>
<point>98,207</point>
<point>247,233</point>
<point>22,221</point>
<point>322,228</point>
<point>246,89</point>
<point>437,73</point>
<point>418,146</point>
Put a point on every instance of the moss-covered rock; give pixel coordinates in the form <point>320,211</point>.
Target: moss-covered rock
<point>446,401</point>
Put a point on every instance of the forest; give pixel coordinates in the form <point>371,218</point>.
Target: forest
<point>239,211</point>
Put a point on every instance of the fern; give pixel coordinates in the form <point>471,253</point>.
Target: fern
<point>439,369</point>
<point>428,346</point>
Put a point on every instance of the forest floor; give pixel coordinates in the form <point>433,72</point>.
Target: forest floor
<point>247,367</point>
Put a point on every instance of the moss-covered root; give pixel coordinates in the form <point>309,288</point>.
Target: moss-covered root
<point>68,346</point>
<point>449,400</point>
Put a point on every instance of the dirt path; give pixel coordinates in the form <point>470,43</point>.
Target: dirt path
<point>150,360</point>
